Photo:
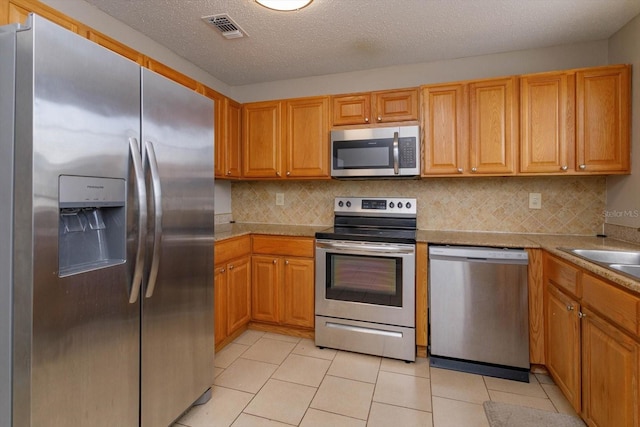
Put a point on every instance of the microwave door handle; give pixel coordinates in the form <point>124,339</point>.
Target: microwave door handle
<point>396,154</point>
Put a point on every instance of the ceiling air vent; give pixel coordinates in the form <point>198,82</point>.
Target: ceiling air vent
<point>226,26</point>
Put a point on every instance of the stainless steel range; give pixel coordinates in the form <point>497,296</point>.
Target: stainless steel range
<point>365,277</point>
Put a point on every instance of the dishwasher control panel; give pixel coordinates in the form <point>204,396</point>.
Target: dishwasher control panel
<point>479,253</point>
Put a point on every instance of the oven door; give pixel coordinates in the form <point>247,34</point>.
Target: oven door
<point>373,282</point>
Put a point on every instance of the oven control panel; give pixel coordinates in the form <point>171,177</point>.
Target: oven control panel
<point>377,206</point>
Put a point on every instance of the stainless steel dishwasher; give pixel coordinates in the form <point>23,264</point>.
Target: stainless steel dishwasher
<point>478,310</point>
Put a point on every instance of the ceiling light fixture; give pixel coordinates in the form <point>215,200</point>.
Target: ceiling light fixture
<point>284,5</point>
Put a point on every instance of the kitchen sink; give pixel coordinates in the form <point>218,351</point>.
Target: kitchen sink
<point>633,270</point>
<point>625,262</point>
<point>608,256</point>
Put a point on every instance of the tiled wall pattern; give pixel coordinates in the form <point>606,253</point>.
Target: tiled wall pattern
<point>572,205</point>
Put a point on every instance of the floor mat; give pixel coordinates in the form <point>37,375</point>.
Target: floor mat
<point>505,415</point>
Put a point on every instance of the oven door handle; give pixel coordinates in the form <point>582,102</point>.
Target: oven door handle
<point>362,248</point>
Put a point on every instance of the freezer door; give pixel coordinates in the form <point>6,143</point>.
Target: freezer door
<point>177,325</point>
<point>76,338</point>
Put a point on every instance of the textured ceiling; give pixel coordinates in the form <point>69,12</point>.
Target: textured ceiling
<point>333,36</point>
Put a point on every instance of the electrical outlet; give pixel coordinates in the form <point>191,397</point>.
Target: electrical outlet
<point>535,201</point>
<point>279,199</point>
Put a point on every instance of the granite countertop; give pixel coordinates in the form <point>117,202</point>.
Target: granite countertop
<point>548,242</point>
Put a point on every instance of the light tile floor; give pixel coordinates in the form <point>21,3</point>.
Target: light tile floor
<point>270,380</point>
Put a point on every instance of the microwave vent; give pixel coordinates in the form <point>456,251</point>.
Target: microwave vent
<point>227,27</point>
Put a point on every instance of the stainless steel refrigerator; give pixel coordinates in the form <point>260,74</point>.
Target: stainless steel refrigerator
<point>106,236</point>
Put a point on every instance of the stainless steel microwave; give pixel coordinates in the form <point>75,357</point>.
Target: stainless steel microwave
<point>376,152</point>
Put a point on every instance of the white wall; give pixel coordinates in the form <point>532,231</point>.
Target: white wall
<point>623,192</point>
<point>475,67</point>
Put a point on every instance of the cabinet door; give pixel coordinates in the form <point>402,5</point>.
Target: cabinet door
<point>220,304</point>
<point>219,128</point>
<point>298,307</point>
<point>307,137</point>
<point>395,105</point>
<point>232,141</point>
<point>265,279</point>
<point>351,109</point>
<point>262,139</point>
<point>445,112</point>
<point>547,104</point>
<point>610,365</point>
<point>494,126</point>
<point>562,330</point>
<point>238,294</point>
<point>602,116</point>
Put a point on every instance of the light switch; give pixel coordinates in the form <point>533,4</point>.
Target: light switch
<point>279,199</point>
<point>535,201</point>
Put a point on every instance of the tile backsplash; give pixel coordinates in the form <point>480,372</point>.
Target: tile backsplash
<point>572,205</point>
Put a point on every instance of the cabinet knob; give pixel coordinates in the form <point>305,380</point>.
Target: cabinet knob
<point>228,172</point>
<point>474,169</point>
<point>288,173</point>
<point>366,119</point>
<point>379,118</point>
<point>286,262</point>
<point>277,173</point>
<point>581,315</point>
<point>564,167</point>
<point>569,307</point>
<point>582,167</point>
<point>222,270</point>
<point>460,170</point>
<point>275,261</point>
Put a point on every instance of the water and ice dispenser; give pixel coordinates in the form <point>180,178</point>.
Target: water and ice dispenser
<point>92,230</point>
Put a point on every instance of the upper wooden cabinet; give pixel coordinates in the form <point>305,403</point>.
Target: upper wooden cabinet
<point>286,139</point>
<point>602,119</point>
<point>493,124</point>
<point>445,115</point>
<point>375,107</point>
<point>547,123</point>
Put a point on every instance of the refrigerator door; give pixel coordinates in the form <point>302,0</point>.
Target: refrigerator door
<point>177,324</point>
<point>75,338</point>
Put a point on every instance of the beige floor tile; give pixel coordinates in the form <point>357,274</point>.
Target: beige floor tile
<point>281,337</point>
<point>403,390</point>
<point>458,385</point>
<point>544,379</point>
<point>307,347</point>
<point>344,396</point>
<point>246,375</point>
<point>518,399</point>
<point>420,368</point>
<point>228,355</point>
<point>532,388</point>
<point>316,418</point>
<point>269,350</point>
<point>248,420</point>
<point>455,413</point>
<point>249,337</point>
<point>302,370</point>
<point>355,366</point>
<point>383,415</point>
<point>282,401</point>
<point>560,402</point>
<point>224,407</point>
<point>217,371</point>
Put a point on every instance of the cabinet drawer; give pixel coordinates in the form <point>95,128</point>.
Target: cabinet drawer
<point>228,249</point>
<point>613,303</point>
<point>561,274</point>
<point>280,245</point>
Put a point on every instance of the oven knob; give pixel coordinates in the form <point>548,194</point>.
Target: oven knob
<point>340,203</point>
<point>408,205</point>
<point>399,205</point>
<point>391,205</point>
<point>348,204</point>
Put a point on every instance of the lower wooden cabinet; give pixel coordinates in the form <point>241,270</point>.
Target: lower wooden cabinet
<point>593,352</point>
<point>283,281</point>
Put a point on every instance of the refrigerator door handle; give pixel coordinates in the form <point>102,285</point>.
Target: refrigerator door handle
<point>157,228</point>
<point>136,282</point>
